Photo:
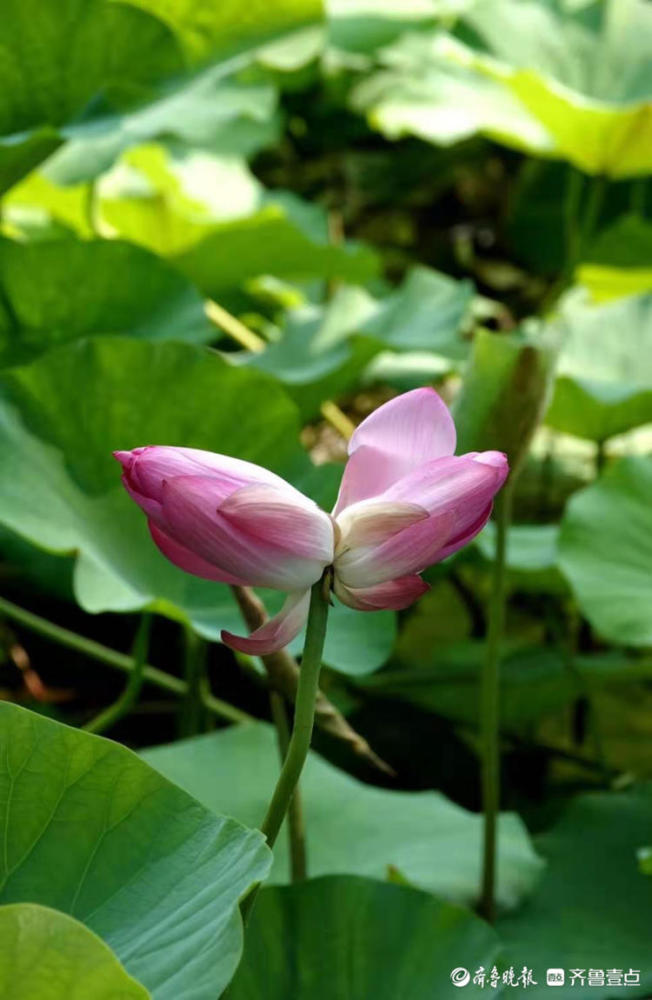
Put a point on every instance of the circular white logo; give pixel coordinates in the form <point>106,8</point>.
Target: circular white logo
<point>460,976</point>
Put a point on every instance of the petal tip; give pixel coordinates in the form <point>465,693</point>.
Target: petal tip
<point>249,646</point>
<point>229,639</point>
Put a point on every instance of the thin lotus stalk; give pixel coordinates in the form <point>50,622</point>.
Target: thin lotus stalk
<point>129,697</point>
<point>112,658</point>
<point>234,327</point>
<point>296,825</point>
<point>331,412</point>
<point>490,707</point>
<point>190,710</point>
<point>304,717</point>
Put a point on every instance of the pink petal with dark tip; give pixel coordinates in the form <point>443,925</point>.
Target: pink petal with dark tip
<point>277,632</point>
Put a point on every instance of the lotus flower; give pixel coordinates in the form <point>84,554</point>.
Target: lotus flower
<point>405,502</point>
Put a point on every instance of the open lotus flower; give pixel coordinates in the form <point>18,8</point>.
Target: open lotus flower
<point>405,502</point>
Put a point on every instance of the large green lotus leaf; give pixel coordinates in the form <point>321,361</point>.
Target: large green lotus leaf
<point>210,30</point>
<point>57,291</point>
<point>47,955</point>
<point>217,223</point>
<point>605,551</point>
<point>64,414</point>
<point>617,264</point>
<point>233,252</point>
<point>583,75</point>
<point>427,312</point>
<point>58,54</point>
<point>531,548</point>
<point>94,58</point>
<point>209,111</point>
<point>324,349</point>
<point>309,373</point>
<point>592,907</point>
<point>561,40</point>
<point>91,830</point>
<point>531,556</point>
<point>362,26</point>
<point>599,139</point>
<point>21,154</point>
<point>351,828</point>
<point>421,90</point>
<point>343,938</point>
<point>544,78</point>
<point>34,568</point>
<point>604,381</point>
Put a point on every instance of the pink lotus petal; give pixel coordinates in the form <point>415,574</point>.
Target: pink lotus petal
<point>446,482</point>
<point>367,474</point>
<point>151,507</point>
<point>393,595</point>
<point>192,518</point>
<point>466,536</point>
<point>497,459</point>
<point>407,552</point>
<point>371,522</point>
<point>187,560</point>
<point>397,437</point>
<point>278,518</point>
<point>277,632</point>
<point>456,492</point>
<point>146,469</point>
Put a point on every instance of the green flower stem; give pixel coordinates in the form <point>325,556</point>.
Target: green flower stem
<point>489,706</point>
<point>296,826</point>
<point>304,717</point>
<point>112,658</point>
<point>304,714</point>
<point>123,705</point>
<point>190,712</point>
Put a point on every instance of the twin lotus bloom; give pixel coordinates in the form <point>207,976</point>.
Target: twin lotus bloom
<point>405,502</point>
